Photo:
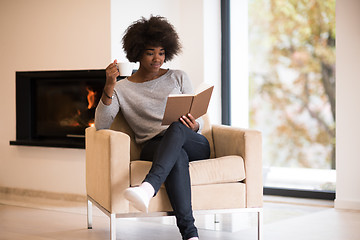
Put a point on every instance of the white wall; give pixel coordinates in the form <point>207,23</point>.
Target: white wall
<point>239,64</point>
<point>46,35</point>
<point>347,100</point>
<point>86,34</point>
<point>212,56</point>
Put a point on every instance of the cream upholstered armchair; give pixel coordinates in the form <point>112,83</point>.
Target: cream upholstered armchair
<point>234,170</point>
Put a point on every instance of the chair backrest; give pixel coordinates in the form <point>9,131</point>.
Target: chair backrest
<point>120,124</point>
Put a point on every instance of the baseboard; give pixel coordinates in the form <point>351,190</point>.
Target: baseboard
<point>348,205</point>
<point>43,194</point>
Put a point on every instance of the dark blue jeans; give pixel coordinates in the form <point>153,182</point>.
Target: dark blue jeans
<point>171,154</point>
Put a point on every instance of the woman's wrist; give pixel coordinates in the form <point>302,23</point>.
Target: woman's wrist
<point>197,127</point>
<point>107,94</point>
<point>108,90</point>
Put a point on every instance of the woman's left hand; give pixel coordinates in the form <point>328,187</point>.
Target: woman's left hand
<point>190,122</point>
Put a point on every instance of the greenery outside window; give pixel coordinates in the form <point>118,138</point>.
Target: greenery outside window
<point>291,83</point>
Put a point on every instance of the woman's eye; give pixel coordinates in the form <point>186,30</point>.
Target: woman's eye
<point>149,54</point>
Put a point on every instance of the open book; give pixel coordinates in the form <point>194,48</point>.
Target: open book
<point>178,105</point>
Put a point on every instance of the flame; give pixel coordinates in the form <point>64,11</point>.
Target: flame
<point>91,123</point>
<point>91,98</point>
<point>78,120</point>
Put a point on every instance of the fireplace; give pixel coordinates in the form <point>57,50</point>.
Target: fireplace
<point>53,108</point>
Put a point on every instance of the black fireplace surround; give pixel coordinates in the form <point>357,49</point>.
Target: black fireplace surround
<point>53,108</point>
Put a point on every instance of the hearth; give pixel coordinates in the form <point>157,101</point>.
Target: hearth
<point>53,108</point>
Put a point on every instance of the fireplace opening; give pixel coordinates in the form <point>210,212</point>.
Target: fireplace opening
<point>65,107</point>
<point>53,108</point>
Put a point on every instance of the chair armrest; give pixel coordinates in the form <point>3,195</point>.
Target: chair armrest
<point>107,168</point>
<point>246,143</point>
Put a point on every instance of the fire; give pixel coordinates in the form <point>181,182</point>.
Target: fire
<point>80,118</point>
<point>91,98</point>
<point>91,123</point>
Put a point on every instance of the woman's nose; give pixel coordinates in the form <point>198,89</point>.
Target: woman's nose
<point>156,57</point>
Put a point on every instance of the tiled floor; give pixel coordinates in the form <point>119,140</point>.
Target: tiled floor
<point>284,218</point>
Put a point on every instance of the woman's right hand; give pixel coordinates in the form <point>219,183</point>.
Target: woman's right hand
<point>111,74</point>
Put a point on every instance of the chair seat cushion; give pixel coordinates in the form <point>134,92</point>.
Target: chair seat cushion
<point>226,169</point>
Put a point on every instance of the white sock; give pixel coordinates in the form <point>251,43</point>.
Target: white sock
<point>194,238</point>
<point>149,189</point>
<point>140,196</point>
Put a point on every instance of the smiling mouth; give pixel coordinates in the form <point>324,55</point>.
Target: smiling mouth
<point>156,65</point>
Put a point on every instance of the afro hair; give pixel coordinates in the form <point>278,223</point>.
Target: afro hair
<point>155,32</point>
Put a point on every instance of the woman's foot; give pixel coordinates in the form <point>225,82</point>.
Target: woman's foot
<point>140,196</point>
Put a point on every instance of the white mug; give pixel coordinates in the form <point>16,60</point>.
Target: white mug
<point>125,68</point>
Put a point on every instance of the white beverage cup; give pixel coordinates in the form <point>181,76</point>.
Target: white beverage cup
<point>125,68</point>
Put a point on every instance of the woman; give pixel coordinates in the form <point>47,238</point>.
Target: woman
<point>142,99</point>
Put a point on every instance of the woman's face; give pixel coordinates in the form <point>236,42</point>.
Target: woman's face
<point>153,58</point>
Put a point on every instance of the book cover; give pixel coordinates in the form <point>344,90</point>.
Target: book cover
<point>178,105</point>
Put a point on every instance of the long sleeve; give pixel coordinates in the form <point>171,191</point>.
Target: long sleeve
<point>105,114</point>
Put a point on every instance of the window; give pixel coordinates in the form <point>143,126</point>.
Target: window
<point>283,83</point>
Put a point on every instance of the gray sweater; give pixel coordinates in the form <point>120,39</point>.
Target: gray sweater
<point>143,104</point>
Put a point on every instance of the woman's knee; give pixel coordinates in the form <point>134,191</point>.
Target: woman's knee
<point>176,128</point>
<point>176,125</point>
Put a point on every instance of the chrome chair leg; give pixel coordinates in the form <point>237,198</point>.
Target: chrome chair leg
<point>260,224</point>
<point>113,226</point>
<point>89,214</point>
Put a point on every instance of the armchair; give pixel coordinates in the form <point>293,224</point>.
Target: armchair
<point>234,169</point>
